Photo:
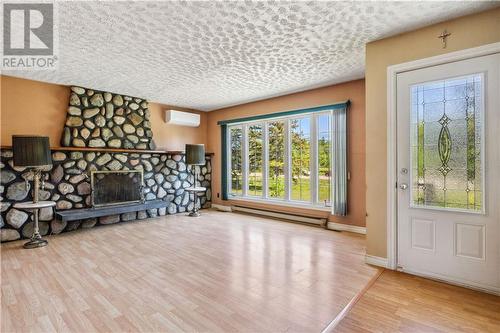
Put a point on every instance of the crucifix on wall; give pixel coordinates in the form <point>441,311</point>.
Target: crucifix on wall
<point>444,35</point>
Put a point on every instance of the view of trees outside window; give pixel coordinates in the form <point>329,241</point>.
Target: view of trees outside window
<point>236,160</point>
<point>301,149</point>
<point>324,158</point>
<point>276,178</point>
<point>255,153</point>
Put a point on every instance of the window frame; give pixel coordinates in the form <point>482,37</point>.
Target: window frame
<point>313,160</point>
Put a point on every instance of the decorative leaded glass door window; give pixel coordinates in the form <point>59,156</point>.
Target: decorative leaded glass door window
<point>446,144</point>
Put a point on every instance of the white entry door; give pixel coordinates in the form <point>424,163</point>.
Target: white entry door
<point>448,164</point>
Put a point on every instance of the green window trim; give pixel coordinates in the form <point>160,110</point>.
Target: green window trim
<point>340,105</point>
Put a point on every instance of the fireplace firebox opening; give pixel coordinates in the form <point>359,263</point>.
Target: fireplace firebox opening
<point>116,187</point>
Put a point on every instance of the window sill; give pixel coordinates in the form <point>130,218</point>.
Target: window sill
<point>292,204</point>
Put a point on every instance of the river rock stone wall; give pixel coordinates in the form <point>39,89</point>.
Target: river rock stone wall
<point>102,119</point>
<point>165,177</point>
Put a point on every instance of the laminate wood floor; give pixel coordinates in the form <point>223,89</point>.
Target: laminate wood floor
<point>220,272</point>
<point>398,302</point>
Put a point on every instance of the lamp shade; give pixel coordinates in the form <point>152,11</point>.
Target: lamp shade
<point>31,151</point>
<point>195,154</point>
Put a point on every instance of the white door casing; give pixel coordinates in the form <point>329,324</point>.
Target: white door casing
<point>448,216</point>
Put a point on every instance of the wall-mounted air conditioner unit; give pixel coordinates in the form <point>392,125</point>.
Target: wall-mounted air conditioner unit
<point>174,117</point>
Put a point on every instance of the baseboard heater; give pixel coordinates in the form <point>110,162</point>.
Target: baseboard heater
<point>321,222</point>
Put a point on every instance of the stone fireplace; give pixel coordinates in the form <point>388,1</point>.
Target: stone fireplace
<point>103,160</point>
<point>166,176</point>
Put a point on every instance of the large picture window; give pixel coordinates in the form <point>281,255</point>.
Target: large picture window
<point>289,158</point>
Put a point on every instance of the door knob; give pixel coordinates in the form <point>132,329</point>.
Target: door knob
<point>403,186</point>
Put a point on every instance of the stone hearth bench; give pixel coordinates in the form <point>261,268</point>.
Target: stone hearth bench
<point>86,213</point>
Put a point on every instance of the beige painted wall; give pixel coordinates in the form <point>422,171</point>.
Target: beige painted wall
<point>355,91</point>
<point>33,107</point>
<point>174,137</point>
<point>469,31</point>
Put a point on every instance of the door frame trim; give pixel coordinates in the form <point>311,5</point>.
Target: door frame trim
<point>392,72</point>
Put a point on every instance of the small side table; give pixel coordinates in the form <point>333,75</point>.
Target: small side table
<point>36,239</point>
<point>195,190</point>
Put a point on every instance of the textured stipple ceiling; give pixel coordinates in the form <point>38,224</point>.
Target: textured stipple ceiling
<point>208,55</point>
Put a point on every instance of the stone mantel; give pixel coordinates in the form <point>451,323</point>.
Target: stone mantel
<point>115,150</point>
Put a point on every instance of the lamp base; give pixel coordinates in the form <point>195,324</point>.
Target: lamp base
<point>35,242</point>
<point>195,213</point>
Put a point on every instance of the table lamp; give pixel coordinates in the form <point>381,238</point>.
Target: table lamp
<point>195,155</point>
<point>33,153</point>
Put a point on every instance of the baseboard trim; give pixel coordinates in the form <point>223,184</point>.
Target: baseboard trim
<point>376,261</point>
<point>346,227</point>
<point>222,208</point>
